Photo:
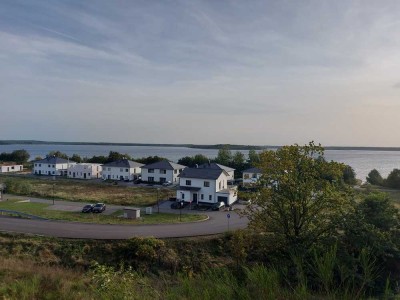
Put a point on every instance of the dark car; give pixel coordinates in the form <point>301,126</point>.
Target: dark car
<point>87,208</point>
<point>99,207</point>
<point>218,206</point>
<point>178,205</point>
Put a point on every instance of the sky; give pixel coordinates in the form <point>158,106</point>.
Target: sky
<point>203,72</point>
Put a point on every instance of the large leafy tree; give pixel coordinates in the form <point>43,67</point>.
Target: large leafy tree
<point>302,197</point>
<point>224,156</point>
<point>374,177</point>
<point>393,180</point>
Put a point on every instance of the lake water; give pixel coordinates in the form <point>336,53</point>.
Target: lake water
<point>362,161</point>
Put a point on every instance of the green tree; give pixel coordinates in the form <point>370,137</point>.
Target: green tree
<point>375,178</point>
<point>192,161</point>
<point>238,161</point>
<point>224,156</point>
<point>393,180</point>
<point>349,176</point>
<point>254,158</point>
<point>76,158</point>
<point>113,156</point>
<point>20,156</point>
<point>58,154</point>
<point>298,201</point>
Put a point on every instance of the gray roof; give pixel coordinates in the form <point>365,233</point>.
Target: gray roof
<point>198,173</point>
<point>216,167</point>
<point>253,170</point>
<point>53,160</point>
<point>124,163</point>
<point>164,164</point>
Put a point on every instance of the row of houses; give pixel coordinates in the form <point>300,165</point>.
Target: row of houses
<point>208,183</point>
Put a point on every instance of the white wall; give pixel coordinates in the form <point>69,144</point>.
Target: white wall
<point>84,171</point>
<point>50,169</point>
<point>170,175</point>
<point>11,168</point>
<point>203,195</point>
<point>115,173</point>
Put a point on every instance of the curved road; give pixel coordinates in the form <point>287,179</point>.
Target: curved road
<point>217,223</point>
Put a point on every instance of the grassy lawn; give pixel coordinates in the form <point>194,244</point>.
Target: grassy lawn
<point>40,209</point>
<point>84,191</point>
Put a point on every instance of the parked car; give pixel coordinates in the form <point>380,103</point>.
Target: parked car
<point>218,206</point>
<point>99,208</point>
<point>87,208</point>
<point>167,183</point>
<point>178,205</point>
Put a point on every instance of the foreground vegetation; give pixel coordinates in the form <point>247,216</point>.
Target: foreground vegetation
<point>82,191</point>
<point>45,211</point>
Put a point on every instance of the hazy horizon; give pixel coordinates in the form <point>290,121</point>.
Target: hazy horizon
<point>201,72</point>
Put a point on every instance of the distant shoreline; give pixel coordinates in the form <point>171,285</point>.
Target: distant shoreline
<point>196,146</point>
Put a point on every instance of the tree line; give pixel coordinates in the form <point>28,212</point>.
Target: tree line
<point>392,181</point>
<point>19,156</point>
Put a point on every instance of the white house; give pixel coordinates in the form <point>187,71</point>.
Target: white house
<point>205,186</point>
<point>52,165</point>
<point>10,167</point>
<point>84,171</point>
<point>122,169</point>
<point>162,171</point>
<point>215,166</point>
<point>251,175</point>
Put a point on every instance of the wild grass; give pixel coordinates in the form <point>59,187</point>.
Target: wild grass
<point>41,210</point>
<point>84,191</point>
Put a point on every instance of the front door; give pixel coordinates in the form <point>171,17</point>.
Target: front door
<point>195,198</point>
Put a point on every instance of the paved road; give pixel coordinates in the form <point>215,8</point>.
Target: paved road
<point>217,223</point>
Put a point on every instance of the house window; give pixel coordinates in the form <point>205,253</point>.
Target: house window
<point>163,179</point>
<point>188,182</point>
<point>54,166</point>
<point>49,166</point>
<point>175,171</point>
<point>109,169</point>
<point>53,172</point>
<point>69,173</point>
<point>206,184</point>
<point>246,176</point>
<point>210,197</point>
<point>126,170</point>
<point>121,170</point>
<point>220,185</point>
<point>35,165</point>
<point>40,165</point>
<point>202,196</point>
<point>183,196</point>
<point>254,175</point>
<point>163,171</point>
<point>151,170</point>
<point>151,179</point>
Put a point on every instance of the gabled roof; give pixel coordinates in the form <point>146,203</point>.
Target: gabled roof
<point>253,170</point>
<point>197,173</point>
<point>53,160</point>
<point>164,164</point>
<point>215,166</point>
<point>124,163</point>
